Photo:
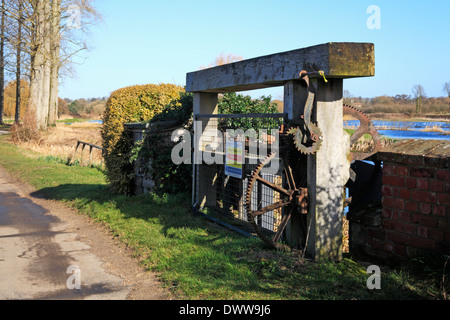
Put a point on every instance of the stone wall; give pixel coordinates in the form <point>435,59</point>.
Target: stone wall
<point>144,183</point>
<point>415,214</point>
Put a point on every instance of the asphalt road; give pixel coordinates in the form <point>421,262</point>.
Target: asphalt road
<point>39,259</point>
<point>50,252</point>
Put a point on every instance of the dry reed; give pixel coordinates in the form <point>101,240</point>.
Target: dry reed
<point>60,142</point>
<point>433,128</point>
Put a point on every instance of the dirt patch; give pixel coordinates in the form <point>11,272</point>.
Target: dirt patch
<point>116,257</point>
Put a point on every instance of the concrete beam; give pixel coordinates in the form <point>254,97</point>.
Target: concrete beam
<point>337,60</point>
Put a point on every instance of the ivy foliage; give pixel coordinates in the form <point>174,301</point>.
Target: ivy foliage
<point>133,104</point>
<point>232,103</point>
<point>154,155</point>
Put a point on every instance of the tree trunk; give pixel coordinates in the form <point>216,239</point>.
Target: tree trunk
<point>47,66</point>
<point>18,85</point>
<point>54,55</point>
<point>18,65</point>
<point>40,71</point>
<point>419,105</point>
<point>2,62</point>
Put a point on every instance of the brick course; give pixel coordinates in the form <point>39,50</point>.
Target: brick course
<point>415,208</point>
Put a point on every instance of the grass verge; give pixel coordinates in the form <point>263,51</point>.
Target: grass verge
<point>5,127</point>
<point>197,259</point>
<point>74,120</point>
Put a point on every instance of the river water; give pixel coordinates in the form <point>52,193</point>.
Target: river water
<point>407,129</point>
<point>398,129</point>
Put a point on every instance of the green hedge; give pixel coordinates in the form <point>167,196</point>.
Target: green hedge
<point>133,104</point>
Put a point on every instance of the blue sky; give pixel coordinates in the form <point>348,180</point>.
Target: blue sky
<point>146,41</point>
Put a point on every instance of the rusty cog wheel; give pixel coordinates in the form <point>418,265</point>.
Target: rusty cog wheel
<point>366,127</point>
<point>307,142</point>
<point>290,200</point>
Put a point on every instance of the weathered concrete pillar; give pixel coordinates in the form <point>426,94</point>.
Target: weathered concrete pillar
<point>328,172</point>
<point>204,182</point>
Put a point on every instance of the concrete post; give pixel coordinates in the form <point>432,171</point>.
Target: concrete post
<point>328,172</point>
<point>204,183</point>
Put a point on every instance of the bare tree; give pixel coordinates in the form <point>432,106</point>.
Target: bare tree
<point>58,29</point>
<point>55,43</point>
<point>2,60</point>
<point>223,59</point>
<point>25,37</point>
<point>46,35</point>
<point>347,97</point>
<point>446,88</point>
<point>18,62</point>
<point>419,95</point>
<point>10,33</point>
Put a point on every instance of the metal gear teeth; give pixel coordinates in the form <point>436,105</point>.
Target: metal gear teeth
<point>370,129</point>
<point>250,185</point>
<point>298,140</point>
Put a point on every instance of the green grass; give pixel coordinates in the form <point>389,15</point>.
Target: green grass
<point>71,120</point>
<point>367,137</point>
<point>194,258</point>
<point>5,126</point>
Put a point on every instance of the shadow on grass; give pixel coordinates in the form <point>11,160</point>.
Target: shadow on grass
<point>95,198</point>
<point>204,261</point>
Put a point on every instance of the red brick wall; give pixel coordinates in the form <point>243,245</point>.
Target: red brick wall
<point>416,209</point>
<point>415,213</point>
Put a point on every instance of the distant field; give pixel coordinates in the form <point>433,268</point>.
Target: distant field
<point>60,141</point>
<point>71,120</point>
<point>404,117</point>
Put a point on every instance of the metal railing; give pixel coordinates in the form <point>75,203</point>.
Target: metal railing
<point>91,148</point>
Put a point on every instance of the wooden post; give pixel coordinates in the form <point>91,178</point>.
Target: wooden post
<point>82,153</point>
<point>90,155</point>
